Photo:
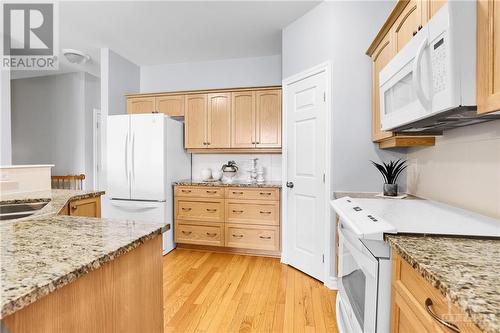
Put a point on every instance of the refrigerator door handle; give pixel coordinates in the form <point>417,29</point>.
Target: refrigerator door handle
<point>133,155</point>
<point>126,155</point>
<point>133,205</point>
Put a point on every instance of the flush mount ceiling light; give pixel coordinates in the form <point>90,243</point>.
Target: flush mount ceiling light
<point>75,56</point>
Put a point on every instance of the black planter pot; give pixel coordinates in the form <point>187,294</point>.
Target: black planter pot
<point>391,190</point>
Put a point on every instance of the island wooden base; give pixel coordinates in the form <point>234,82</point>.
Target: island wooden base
<point>124,295</point>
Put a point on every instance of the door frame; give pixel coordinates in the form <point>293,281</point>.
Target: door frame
<point>329,280</point>
<point>96,143</point>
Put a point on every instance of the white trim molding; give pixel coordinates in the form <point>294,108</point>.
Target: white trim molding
<point>329,280</point>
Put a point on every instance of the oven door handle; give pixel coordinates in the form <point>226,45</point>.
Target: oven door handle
<point>365,260</point>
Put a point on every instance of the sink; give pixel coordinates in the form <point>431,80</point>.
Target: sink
<point>17,211</point>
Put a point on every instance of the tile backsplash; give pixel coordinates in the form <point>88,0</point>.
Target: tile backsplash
<point>270,162</point>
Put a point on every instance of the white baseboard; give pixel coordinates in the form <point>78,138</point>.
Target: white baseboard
<point>331,283</point>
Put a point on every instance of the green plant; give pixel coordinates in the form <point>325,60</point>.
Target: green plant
<point>230,165</point>
<point>391,171</point>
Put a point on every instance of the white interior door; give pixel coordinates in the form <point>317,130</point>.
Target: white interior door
<point>306,168</point>
<point>148,157</point>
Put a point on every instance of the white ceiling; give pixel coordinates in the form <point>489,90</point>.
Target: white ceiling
<point>161,32</point>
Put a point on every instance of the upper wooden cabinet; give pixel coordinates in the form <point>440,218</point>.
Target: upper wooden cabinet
<point>141,105</point>
<point>268,119</point>
<point>488,56</point>
<point>408,23</point>
<point>219,120</point>
<point>195,119</point>
<point>243,119</point>
<point>171,105</point>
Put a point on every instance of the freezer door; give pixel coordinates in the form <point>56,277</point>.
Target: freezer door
<point>142,211</point>
<point>118,156</point>
<point>148,157</point>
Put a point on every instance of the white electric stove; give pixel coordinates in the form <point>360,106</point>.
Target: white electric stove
<point>363,301</point>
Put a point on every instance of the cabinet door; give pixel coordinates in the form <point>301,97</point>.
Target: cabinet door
<point>382,55</point>
<point>488,56</point>
<point>140,105</point>
<point>172,106</point>
<point>432,7</point>
<point>195,121</point>
<point>408,24</point>
<point>268,118</point>
<point>86,207</point>
<point>243,120</point>
<point>219,120</point>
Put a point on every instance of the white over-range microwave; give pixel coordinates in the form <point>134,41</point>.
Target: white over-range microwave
<point>435,72</point>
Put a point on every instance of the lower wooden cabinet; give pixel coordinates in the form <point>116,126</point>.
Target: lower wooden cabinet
<point>415,302</point>
<point>237,219</point>
<point>90,207</point>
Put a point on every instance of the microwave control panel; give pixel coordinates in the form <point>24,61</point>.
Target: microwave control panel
<point>438,60</point>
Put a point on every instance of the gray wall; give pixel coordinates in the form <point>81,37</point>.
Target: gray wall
<point>50,122</point>
<point>230,73</point>
<point>5,115</point>
<point>340,32</point>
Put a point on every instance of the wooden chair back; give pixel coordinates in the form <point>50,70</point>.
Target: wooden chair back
<point>70,182</point>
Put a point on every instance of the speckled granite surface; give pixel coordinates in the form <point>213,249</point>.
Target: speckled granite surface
<point>190,182</point>
<point>465,270</point>
<point>44,252</point>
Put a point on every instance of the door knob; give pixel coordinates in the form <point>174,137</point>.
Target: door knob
<point>289,184</point>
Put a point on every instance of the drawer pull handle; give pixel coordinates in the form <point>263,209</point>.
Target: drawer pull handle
<point>74,207</point>
<point>265,237</point>
<point>186,191</point>
<point>211,234</point>
<point>211,210</point>
<point>265,193</point>
<point>238,193</point>
<point>451,326</point>
<point>238,236</point>
<point>237,211</point>
<point>262,212</point>
<point>186,232</point>
<point>211,192</point>
<point>186,209</point>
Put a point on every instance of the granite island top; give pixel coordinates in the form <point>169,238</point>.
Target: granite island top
<point>235,183</point>
<point>46,251</point>
<point>465,270</point>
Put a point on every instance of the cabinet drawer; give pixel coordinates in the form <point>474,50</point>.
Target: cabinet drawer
<point>252,193</point>
<point>200,210</point>
<point>252,212</point>
<point>200,234</point>
<point>409,285</point>
<point>252,237</point>
<point>199,192</point>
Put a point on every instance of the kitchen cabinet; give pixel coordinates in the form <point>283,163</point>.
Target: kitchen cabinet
<point>268,119</point>
<point>414,301</point>
<point>219,120</point>
<point>195,117</point>
<point>90,207</point>
<point>488,56</point>
<point>407,25</point>
<point>170,105</point>
<point>243,119</point>
<point>430,7</point>
<point>141,105</point>
<point>234,219</point>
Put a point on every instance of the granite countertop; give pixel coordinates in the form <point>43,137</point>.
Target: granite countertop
<point>46,251</point>
<point>465,270</point>
<point>235,183</point>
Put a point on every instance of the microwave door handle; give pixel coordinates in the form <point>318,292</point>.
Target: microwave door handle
<point>417,79</point>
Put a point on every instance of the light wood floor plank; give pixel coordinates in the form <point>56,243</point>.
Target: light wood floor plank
<point>220,292</point>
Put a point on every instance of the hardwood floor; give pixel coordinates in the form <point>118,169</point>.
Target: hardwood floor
<point>218,292</point>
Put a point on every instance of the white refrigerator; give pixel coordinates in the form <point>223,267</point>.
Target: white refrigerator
<point>145,154</point>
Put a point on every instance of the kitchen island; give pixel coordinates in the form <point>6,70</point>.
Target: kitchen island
<point>79,274</point>
<point>460,275</point>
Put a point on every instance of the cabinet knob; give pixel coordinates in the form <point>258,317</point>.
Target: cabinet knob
<point>237,236</point>
<point>420,27</point>
<point>186,232</point>
<point>265,237</point>
<point>211,234</point>
<point>414,33</point>
<point>211,210</point>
